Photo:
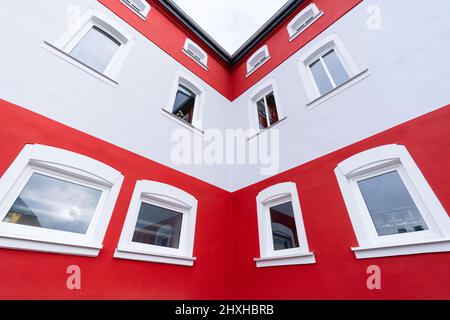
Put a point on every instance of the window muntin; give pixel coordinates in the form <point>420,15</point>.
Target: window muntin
<point>267,111</point>
<point>328,72</point>
<point>53,200</point>
<point>158,226</point>
<point>51,203</point>
<point>96,49</point>
<point>390,204</point>
<point>184,104</point>
<point>284,228</point>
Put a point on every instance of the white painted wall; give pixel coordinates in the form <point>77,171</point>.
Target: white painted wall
<point>407,59</point>
<point>410,72</point>
<point>128,116</point>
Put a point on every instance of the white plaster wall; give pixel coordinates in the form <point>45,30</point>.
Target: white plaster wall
<point>128,116</point>
<point>410,72</point>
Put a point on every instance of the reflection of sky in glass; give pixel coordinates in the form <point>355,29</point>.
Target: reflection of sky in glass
<point>54,204</point>
<point>96,49</point>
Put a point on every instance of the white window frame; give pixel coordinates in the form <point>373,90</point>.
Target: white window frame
<point>310,9</point>
<point>202,61</point>
<point>255,96</point>
<point>75,33</point>
<point>274,195</point>
<point>320,48</point>
<point>197,117</point>
<point>166,196</point>
<point>141,14</point>
<point>377,161</point>
<point>66,166</point>
<point>252,65</point>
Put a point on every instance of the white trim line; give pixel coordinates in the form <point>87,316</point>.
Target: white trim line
<point>296,259</point>
<point>130,254</point>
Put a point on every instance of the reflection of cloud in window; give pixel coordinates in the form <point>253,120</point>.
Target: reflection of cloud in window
<point>55,204</point>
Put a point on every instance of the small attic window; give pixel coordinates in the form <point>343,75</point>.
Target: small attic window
<point>140,7</point>
<point>257,59</point>
<point>303,20</point>
<point>196,53</point>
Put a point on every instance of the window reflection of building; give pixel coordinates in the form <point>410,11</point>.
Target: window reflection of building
<point>184,104</point>
<point>284,231</point>
<point>20,213</point>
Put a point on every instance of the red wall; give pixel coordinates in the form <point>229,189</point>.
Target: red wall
<point>337,273</point>
<point>26,274</point>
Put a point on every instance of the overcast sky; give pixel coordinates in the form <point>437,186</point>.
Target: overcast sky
<point>230,22</point>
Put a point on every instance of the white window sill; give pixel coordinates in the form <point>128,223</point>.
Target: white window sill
<point>139,14</point>
<point>297,259</point>
<point>349,83</point>
<point>65,56</point>
<point>274,126</point>
<point>130,254</point>
<point>8,241</point>
<point>295,35</point>
<point>178,120</point>
<point>197,61</point>
<point>256,68</point>
<point>375,251</point>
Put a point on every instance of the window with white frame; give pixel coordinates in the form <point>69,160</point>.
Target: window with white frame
<point>186,103</point>
<point>140,7</point>
<point>53,200</point>
<point>260,57</point>
<point>303,20</point>
<point>327,67</point>
<point>196,53</point>
<point>392,208</point>
<point>160,225</point>
<point>282,235</point>
<point>95,43</point>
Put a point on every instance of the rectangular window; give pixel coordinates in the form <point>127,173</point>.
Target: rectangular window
<point>328,72</point>
<point>158,226</point>
<point>284,229</point>
<point>51,203</point>
<point>96,49</point>
<point>184,104</point>
<point>390,205</point>
<point>267,111</point>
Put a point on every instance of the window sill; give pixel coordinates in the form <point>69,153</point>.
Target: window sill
<point>140,15</point>
<point>297,259</point>
<point>185,124</point>
<point>256,68</point>
<point>388,250</point>
<point>295,35</point>
<point>63,55</point>
<point>9,241</point>
<point>198,62</point>
<point>154,257</point>
<point>349,83</point>
<point>274,126</point>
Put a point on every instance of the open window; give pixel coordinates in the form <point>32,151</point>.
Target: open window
<point>264,107</point>
<point>160,225</point>
<point>303,20</point>
<point>53,200</point>
<point>186,103</point>
<point>392,208</point>
<point>328,67</point>
<point>196,53</point>
<point>140,7</point>
<point>257,59</point>
<point>96,44</point>
<point>282,235</point>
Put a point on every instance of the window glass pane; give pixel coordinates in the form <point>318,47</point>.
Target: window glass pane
<point>284,231</point>
<point>138,4</point>
<point>390,205</point>
<point>51,203</point>
<point>184,104</point>
<point>96,49</point>
<point>271,105</point>
<point>321,77</point>
<point>336,68</point>
<point>158,226</point>
<point>303,21</point>
<point>262,117</point>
